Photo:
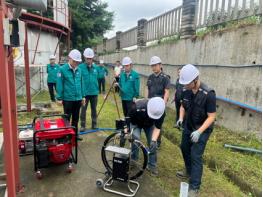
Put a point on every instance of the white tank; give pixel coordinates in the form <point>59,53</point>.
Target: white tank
<point>26,134</point>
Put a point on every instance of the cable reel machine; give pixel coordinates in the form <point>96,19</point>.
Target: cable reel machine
<point>118,158</point>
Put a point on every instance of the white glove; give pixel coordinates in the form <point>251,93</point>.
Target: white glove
<point>179,123</point>
<point>195,136</point>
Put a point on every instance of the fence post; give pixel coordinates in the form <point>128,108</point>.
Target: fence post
<point>188,18</point>
<point>104,44</point>
<point>118,41</point>
<point>141,32</point>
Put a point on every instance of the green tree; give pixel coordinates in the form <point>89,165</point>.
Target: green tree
<point>90,20</point>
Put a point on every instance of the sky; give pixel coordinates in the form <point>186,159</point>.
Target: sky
<point>128,12</point>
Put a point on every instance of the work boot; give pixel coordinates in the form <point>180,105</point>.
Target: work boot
<point>82,129</point>
<point>153,170</point>
<point>94,126</point>
<point>193,193</point>
<point>182,174</point>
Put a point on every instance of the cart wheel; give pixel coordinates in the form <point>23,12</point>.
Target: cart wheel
<point>99,183</point>
<point>70,168</point>
<point>39,175</point>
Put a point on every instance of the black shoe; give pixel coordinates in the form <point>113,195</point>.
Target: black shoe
<point>182,174</point>
<point>79,138</point>
<point>94,126</point>
<point>82,129</point>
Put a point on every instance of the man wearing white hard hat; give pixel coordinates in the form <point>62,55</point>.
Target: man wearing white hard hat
<point>129,84</point>
<point>69,87</point>
<point>158,84</point>
<point>198,111</point>
<point>52,71</point>
<point>90,88</point>
<point>147,114</point>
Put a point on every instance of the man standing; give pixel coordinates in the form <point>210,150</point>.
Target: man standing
<point>158,84</point>
<point>102,73</point>
<point>178,97</point>
<point>69,87</point>
<point>147,114</point>
<point>129,85</point>
<point>52,71</point>
<point>198,110</point>
<point>117,72</point>
<point>90,88</point>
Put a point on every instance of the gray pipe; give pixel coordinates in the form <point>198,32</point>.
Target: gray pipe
<point>40,5</point>
<point>252,150</point>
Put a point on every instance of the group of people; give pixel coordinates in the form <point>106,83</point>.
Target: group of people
<point>77,85</point>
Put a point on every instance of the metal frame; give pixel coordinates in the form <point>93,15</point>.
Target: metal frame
<point>44,24</point>
<point>8,101</point>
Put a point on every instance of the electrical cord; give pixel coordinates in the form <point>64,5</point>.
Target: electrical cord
<point>86,161</point>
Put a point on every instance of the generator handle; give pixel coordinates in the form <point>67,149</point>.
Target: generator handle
<point>53,129</point>
<point>46,116</point>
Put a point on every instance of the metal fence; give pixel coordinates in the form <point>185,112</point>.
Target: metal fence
<point>128,38</point>
<point>212,12</point>
<point>207,13</point>
<point>167,24</point>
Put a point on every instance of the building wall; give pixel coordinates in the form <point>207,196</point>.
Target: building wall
<point>38,76</point>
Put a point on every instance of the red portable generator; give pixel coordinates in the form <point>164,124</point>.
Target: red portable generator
<point>55,142</point>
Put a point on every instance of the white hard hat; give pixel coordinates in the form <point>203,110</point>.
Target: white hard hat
<point>155,107</point>
<point>52,57</point>
<point>88,53</point>
<point>101,62</point>
<point>155,60</point>
<point>187,74</point>
<point>75,55</point>
<point>126,61</point>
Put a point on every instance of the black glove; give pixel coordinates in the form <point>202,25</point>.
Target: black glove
<point>153,147</point>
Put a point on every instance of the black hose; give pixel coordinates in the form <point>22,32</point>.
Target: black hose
<point>86,161</point>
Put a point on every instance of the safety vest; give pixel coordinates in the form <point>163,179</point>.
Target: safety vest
<point>195,108</point>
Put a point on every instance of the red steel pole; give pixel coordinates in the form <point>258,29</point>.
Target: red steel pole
<point>9,114</point>
<point>14,116</point>
<point>27,71</point>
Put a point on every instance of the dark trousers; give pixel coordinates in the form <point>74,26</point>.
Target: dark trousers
<point>193,156</point>
<point>101,82</point>
<point>126,106</point>
<point>177,107</point>
<point>117,89</point>
<point>51,87</point>
<point>93,99</point>
<point>159,140</point>
<point>71,108</point>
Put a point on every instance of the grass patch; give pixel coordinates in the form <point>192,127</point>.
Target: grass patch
<point>252,20</point>
<point>243,169</point>
<point>215,182</point>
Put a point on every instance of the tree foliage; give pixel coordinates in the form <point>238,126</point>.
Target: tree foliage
<point>90,20</point>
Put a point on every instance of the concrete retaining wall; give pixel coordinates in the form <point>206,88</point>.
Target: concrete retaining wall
<point>227,56</point>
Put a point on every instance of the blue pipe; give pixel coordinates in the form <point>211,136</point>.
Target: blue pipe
<point>239,104</point>
<point>96,130</point>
